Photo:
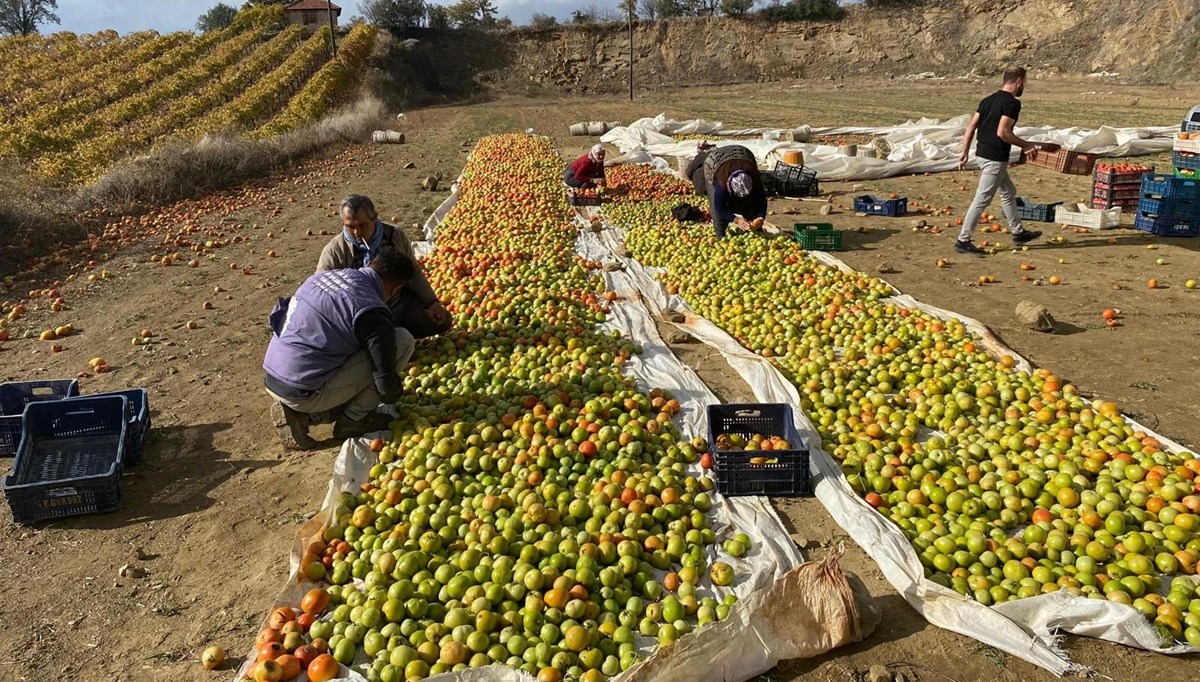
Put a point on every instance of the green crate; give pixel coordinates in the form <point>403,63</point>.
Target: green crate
<point>817,236</point>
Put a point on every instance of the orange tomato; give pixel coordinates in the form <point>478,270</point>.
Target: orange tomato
<point>323,668</point>
<point>315,601</point>
<point>280,617</point>
<point>290,665</point>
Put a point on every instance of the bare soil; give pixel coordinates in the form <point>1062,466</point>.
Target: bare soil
<point>211,512</point>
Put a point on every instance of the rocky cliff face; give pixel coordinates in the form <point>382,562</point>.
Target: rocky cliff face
<point>1156,40</point>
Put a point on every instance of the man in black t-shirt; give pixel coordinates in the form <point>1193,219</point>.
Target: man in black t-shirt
<point>994,121</point>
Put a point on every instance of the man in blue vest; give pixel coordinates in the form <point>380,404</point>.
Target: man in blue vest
<point>336,354</point>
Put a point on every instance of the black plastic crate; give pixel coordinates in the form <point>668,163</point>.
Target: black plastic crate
<point>70,459</point>
<point>16,395</point>
<point>795,181</point>
<point>770,184</point>
<point>584,200</point>
<point>1165,226</point>
<point>875,206</point>
<point>1038,212</point>
<point>137,419</point>
<point>787,475</point>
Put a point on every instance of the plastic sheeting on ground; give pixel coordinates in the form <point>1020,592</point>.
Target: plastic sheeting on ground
<point>787,608</point>
<point>921,146</point>
<point>1026,628</point>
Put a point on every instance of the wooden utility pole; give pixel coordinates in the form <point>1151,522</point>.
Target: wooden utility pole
<point>332,28</point>
<point>630,51</point>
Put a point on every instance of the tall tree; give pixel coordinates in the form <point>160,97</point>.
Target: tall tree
<point>217,18</point>
<point>437,17</point>
<point>21,17</point>
<point>462,13</point>
<point>486,11</point>
<point>648,9</point>
<point>395,16</point>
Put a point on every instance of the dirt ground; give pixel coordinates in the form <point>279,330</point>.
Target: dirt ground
<point>211,512</point>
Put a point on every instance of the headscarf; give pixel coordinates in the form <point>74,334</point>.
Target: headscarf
<point>597,152</point>
<point>740,184</point>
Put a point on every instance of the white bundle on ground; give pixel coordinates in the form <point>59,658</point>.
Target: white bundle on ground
<point>921,146</point>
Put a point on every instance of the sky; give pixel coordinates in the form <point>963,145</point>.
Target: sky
<point>125,16</point>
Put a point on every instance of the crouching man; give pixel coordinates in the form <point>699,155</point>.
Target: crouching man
<point>416,307</point>
<point>336,352</point>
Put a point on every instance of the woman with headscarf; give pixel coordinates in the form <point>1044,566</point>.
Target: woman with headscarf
<point>586,172</point>
<point>735,188</point>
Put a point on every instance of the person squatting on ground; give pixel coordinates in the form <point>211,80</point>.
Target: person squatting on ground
<point>335,353</point>
<point>735,189</point>
<point>586,172</point>
<point>994,120</point>
<point>416,307</point>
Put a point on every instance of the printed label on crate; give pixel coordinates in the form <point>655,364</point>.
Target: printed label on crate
<point>62,497</point>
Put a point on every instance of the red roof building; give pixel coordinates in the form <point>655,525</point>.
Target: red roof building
<point>312,14</point>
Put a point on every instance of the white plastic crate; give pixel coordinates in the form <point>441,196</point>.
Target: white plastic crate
<point>1191,146</point>
<point>1080,215</point>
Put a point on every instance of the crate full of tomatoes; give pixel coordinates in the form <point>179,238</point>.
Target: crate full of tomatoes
<point>1118,184</point>
<point>758,450</point>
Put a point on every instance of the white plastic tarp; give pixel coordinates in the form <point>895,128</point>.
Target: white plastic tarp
<point>922,146</point>
<point>1026,628</point>
<point>788,608</point>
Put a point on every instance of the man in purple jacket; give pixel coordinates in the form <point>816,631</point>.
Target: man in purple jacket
<point>335,353</point>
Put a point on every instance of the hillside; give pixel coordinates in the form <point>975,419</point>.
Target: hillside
<point>1156,41</point>
<point>74,105</point>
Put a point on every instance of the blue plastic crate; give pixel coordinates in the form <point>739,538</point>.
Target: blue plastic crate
<point>137,417</point>
<point>16,395</point>
<point>875,206</point>
<point>1159,185</point>
<point>1187,161</point>
<point>787,474</point>
<point>1165,226</point>
<point>70,459</point>
<point>1170,207</point>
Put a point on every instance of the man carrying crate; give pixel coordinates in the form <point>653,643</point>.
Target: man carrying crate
<point>994,121</point>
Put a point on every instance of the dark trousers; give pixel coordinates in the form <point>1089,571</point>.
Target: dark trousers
<point>409,312</point>
<point>571,181</point>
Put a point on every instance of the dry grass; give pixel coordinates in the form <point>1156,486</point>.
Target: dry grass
<point>181,170</point>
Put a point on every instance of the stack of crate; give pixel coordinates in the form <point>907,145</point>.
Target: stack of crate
<point>1170,206</point>
<point>1118,185</point>
<point>1185,157</point>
